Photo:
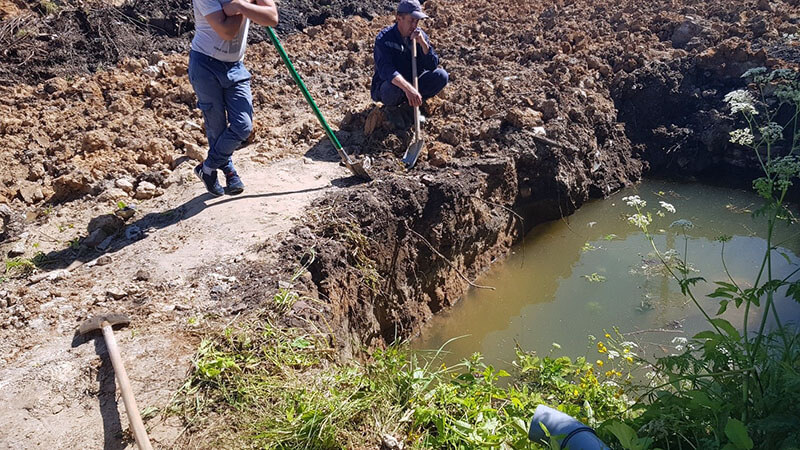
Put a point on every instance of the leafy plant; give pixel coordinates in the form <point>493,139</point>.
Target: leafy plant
<point>731,389</point>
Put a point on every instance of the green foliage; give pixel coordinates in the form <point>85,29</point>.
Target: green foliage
<point>20,267</point>
<point>276,388</point>
<point>730,389</point>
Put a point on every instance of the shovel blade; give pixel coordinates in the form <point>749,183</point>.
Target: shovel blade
<point>412,153</point>
<point>359,168</point>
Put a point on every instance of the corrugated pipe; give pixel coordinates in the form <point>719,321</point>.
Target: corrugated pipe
<point>570,433</point>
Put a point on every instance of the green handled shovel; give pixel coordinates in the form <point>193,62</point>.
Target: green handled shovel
<point>359,169</point>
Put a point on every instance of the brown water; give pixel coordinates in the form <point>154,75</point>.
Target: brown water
<point>592,271</point>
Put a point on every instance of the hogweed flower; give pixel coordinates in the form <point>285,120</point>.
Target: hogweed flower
<point>741,101</point>
<point>639,220</point>
<point>667,206</point>
<point>742,136</point>
<point>635,201</point>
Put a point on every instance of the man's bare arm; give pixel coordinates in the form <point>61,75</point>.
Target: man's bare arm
<point>413,97</point>
<point>227,27</point>
<point>262,12</point>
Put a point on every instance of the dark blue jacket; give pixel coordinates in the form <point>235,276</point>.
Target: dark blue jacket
<point>393,57</point>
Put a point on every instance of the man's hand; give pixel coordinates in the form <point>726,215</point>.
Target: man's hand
<point>262,12</point>
<point>232,8</point>
<point>416,35</point>
<point>413,97</point>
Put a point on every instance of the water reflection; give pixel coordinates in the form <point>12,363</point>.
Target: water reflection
<point>592,271</point>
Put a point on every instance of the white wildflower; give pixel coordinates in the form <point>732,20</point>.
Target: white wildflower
<point>610,383</point>
<point>680,340</point>
<point>639,220</point>
<point>682,223</point>
<point>741,101</point>
<point>613,354</point>
<point>771,132</point>
<point>628,344</point>
<point>667,206</point>
<point>742,136</point>
<point>634,201</point>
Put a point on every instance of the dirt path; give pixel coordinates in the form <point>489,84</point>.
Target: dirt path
<point>60,394</point>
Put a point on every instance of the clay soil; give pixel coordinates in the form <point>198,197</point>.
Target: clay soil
<point>550,104</point>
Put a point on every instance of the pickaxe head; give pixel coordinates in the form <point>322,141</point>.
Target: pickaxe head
<point>98,322</point>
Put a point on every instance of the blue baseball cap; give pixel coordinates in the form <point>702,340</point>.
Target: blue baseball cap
<point>411,7</point>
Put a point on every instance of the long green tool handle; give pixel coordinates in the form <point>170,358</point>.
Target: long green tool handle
<point>274,38</point>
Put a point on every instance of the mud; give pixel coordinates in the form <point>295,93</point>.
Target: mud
<point>550,104</point>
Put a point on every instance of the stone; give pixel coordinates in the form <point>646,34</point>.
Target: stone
<point>96,140</point>
<point>107,222</point>
<point>146,190</point>
<point>439,154</point>
<point>124,184</point>
<point>125,213</point>
<point>685,32</point>
<point>549,109</point>
<point>193,151</point>
<point>18,249</point>
<point>142,275</point>
<point>113,195</point>
<point>391,443</point>
<point>71,186</point>
<point>31,193</point>
<point>104,260</point>
<point>524,117</point>
<point>116,293</point>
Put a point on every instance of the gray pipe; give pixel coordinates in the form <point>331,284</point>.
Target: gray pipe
<point>569,432</point>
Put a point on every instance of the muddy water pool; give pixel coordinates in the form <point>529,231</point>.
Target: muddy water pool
<point>593,271</point>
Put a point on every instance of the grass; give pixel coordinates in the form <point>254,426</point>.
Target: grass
<point>256,385</point>
<point>20,267</point>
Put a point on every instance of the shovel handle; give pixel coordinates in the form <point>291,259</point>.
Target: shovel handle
<point>135,419</point>
<point>299,81</point>
<point>416,85</point>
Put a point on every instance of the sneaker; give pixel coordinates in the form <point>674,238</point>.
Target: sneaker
<point>233,183</point>
<point>209,180</point>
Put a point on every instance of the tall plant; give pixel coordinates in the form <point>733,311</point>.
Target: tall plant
<point>730,389</point>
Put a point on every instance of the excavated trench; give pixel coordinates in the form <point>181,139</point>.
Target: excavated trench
<point>618,88</point>
<point>390,254</point>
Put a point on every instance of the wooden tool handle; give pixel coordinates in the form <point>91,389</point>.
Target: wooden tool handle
<point>139,432</point>
<point>416,85</point>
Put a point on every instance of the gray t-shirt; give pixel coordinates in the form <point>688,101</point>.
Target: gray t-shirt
<point>208,42</point>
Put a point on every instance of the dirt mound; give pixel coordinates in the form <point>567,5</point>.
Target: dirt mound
<point>46,39</point>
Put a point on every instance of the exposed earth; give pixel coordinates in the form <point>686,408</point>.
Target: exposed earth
<point>550,104</point>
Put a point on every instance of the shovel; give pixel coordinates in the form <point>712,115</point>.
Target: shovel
<point>359,169</point>
<point>413,150</point>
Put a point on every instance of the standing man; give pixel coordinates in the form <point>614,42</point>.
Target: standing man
<point>392,83</point>
<point>222,83</point>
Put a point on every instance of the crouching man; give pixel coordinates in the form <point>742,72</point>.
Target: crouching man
<point>392,83</point>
